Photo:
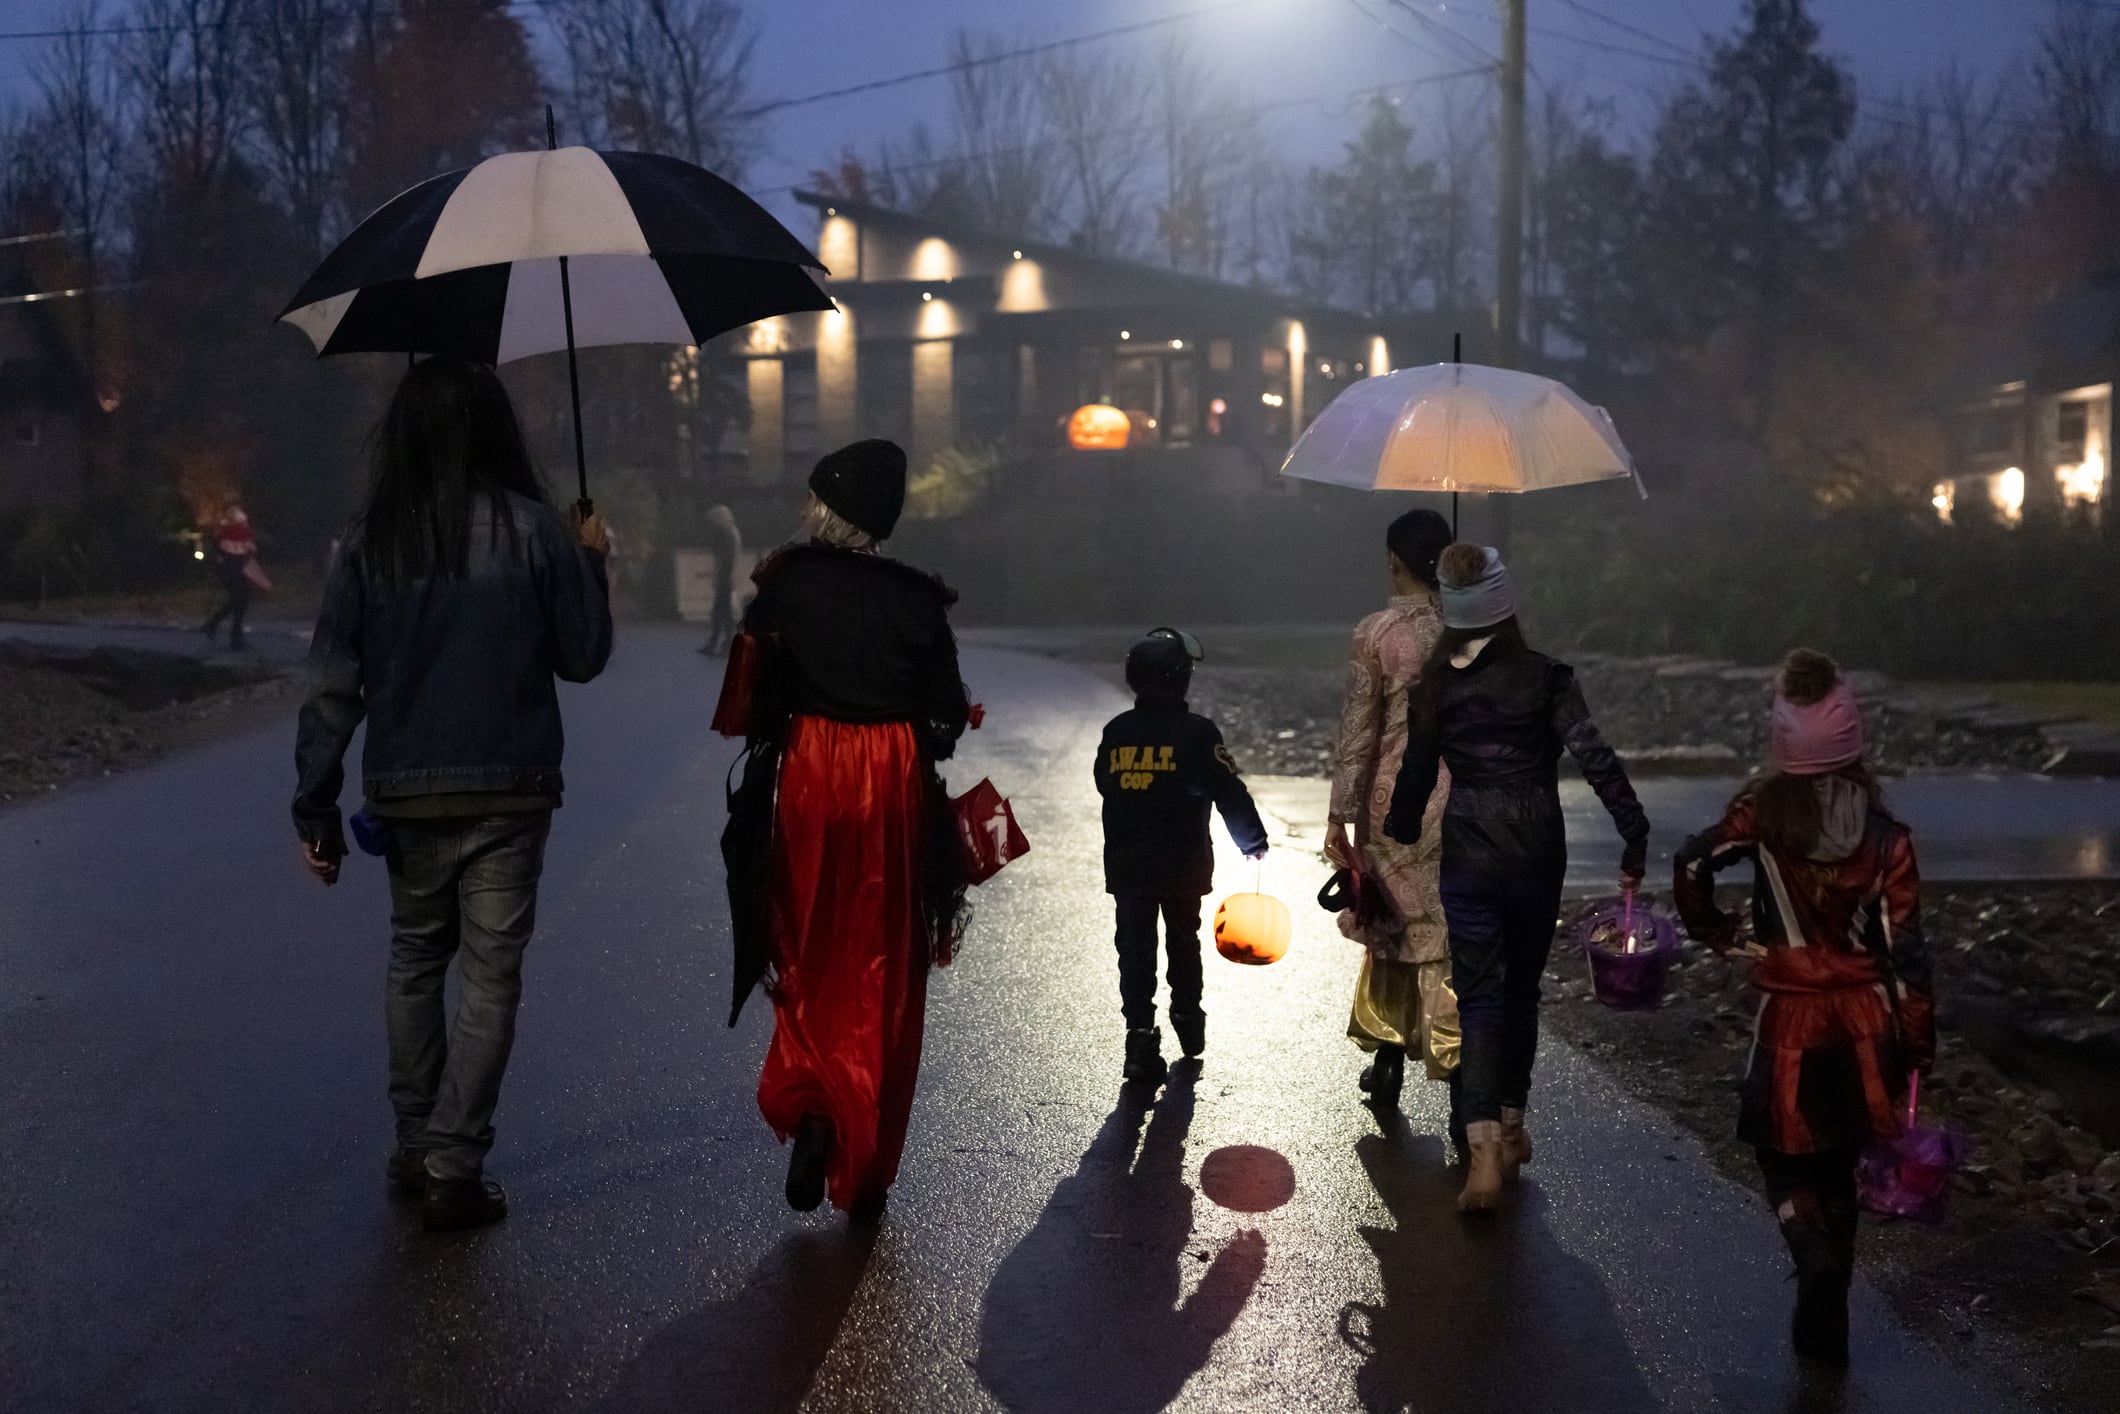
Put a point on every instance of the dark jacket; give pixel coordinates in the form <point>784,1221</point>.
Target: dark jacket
<point>1161,769</point>
<point>861,638</point>
<point>454,676</point>
<point>1503,722</point>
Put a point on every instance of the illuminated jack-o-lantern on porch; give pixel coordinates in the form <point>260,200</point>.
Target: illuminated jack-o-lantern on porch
<point>1098,427</point>
<point>1253,928</point>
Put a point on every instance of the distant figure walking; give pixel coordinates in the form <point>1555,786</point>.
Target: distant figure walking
<point>1499,716</point>
<point>1402,1001</point>
<point>725,543</point>
<point>457,599</point>
<point>865,665</point>
<point>1847,1010</point>
<point>232,551</point>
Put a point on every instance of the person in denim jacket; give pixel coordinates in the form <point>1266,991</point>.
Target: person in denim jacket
<point>456,601</point>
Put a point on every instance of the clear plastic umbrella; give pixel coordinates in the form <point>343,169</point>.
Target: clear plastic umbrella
<point>1459,427</point>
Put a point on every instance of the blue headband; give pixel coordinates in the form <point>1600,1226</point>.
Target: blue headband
<point>1483,603</point>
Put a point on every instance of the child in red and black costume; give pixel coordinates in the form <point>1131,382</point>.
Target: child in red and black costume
<point>1843,971</point>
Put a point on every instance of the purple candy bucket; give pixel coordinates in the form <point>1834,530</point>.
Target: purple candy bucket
<point>1624,980</point>
<point>1909,1175</point>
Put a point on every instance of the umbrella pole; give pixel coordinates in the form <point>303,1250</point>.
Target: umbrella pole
<point>1453,515</point>
<point>574,390</point>
<point>574,377</point>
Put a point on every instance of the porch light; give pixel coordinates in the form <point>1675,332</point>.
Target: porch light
<point>1945,500</point>
<point>926,295</point>
<point>2006,493</point>
<point>1126,333</point>
<point>831,211</point>
<point>1015,255</point>
<point>1272,400</point>
<point>1177,343</point>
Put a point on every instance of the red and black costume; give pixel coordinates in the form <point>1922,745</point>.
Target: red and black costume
<point>863,665</point>
<point>1846,1009</point>
<point>1845,1012</point>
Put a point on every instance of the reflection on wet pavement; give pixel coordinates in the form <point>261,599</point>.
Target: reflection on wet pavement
<point>1993,828</point>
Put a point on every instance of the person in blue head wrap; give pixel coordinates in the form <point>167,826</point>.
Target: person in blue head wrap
<point>1499,715</point>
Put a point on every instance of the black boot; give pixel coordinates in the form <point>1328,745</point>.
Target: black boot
<point>812,1151</point>
<point>1144,1057</point>
<point>1819,1330</point>
<point>1383,1078</point>
<point>407,1170</point>
<point>1191,1031</point>
<point>454,1204</point>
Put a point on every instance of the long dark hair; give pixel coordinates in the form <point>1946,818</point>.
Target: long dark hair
<point>1786,815</point>
<point>1417,540</point>
<point>448,441</point>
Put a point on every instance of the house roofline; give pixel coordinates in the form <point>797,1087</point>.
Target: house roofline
<point>1263,297</point>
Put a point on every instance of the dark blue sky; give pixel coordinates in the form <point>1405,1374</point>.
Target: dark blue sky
<point>1278,50</point>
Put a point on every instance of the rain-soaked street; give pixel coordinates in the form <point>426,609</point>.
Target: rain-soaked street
<point>193,1214</point>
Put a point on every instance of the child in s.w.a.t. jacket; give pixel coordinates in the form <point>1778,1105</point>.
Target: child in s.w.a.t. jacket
<point>1162,769</point>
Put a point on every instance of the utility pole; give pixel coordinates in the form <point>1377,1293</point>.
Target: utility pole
<point>1509,217</point>
<point>1509,204</point>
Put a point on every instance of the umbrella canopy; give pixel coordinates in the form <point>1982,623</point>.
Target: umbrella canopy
<point>470,263</point>
<point>1459,427</point>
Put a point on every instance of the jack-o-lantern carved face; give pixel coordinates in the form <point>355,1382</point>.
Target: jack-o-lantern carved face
<point>1253,929</point>
<point>1098,427</point>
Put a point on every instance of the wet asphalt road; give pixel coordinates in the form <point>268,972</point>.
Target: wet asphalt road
<point>192,1132</point>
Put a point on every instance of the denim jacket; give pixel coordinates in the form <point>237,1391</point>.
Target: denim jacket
<point>454,676</point>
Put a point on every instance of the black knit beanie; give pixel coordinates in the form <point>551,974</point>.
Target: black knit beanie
<point>863,483</point>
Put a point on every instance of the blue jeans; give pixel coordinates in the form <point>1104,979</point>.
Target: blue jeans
<point>463,888</point>
<point>1501,929</point>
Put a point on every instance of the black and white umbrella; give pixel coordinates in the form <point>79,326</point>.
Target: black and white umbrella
<point>533,252</point>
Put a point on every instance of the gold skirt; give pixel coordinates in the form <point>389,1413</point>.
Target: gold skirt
<point>1407,1004</point>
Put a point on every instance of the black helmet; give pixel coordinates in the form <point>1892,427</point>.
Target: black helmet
<point>1161,662</point>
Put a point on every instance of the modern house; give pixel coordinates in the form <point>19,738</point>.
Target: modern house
<point>2038,434</point>
<point>949,338</point>
<point>48,405</point>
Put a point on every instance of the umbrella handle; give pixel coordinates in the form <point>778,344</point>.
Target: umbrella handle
<point>1913,1095</point>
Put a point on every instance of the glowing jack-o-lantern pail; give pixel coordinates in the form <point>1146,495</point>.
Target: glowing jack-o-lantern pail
<point>1253,929</point>
<point>1099,427</point>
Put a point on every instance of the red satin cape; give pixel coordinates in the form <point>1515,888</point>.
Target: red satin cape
<point>848,945</point>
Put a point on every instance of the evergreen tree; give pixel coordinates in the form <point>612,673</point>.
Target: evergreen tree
<point>1746,192</point>
<point>1361,236</point>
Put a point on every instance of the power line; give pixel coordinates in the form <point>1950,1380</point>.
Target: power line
<point>1623,26</point>
<point>1253,111</point>
<point>965,65</point>
<point>1436,26</point>
<point>239,22</point>
<point>1396,33</point>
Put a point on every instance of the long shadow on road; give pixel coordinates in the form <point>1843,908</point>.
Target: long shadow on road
<point>1493,1316</point>
<point>1086,1313</point>
<point>758,1351</point>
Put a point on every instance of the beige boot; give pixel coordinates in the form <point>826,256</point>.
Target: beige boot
<point>1485,1173</point>
<point>1516,1143</point>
